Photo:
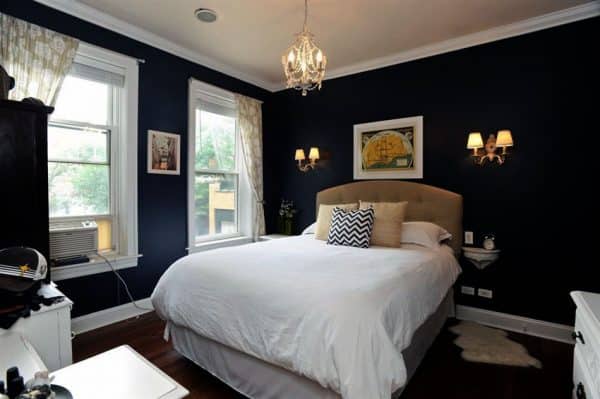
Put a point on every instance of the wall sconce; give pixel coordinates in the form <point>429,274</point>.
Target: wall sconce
<point>313,156</point>
<point>475,142</point>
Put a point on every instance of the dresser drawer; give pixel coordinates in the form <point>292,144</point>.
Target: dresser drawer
<point>583,385</point>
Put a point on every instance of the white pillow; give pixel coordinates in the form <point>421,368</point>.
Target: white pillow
<point>426,234</point>
<point>310,229</point>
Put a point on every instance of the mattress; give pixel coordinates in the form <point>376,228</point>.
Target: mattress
<point>340,316</point>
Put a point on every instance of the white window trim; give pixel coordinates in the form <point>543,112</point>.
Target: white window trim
<point>197,90</point>
<point>126,176</point>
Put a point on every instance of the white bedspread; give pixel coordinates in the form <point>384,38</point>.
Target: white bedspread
<point>338,315</point>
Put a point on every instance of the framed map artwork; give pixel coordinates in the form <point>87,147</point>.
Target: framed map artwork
<point>391,149</point>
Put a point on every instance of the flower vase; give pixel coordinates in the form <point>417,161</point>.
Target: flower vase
<point>286,226</point>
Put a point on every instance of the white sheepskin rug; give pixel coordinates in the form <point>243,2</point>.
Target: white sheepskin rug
<point>488,345</point>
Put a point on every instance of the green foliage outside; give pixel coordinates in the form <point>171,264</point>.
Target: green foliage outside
<point>215,149</point>
<point>77,189</point>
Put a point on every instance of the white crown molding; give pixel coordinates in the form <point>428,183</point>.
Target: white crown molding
<point>541,22</point>
<point>534,24</point>
<point>90,14</point>
<point>524,325</point>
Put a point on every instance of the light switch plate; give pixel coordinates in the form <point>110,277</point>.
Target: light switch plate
<point>466,290</point>
<point>482,292</point>
<point>469,237</point>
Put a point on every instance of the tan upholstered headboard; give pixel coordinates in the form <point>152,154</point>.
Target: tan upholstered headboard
<point>425,203</point>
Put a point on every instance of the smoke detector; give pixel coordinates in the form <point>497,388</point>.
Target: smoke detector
<point>206,15</point>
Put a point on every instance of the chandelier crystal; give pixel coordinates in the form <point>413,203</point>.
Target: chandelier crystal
<point>304,63</point>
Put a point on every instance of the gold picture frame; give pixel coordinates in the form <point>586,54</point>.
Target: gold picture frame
<point>391,149</point>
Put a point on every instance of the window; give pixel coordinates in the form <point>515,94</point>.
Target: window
<point>92,155</point>
<point>79,161</point>
<point>218,184</point>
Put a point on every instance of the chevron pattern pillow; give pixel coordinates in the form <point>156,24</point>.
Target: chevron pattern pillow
<point>351,228</point>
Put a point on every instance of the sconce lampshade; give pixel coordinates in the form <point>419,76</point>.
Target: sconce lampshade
<point>475,140</point>
<point>313,153</point>
<point>300,155</point>
<point>504,138</point>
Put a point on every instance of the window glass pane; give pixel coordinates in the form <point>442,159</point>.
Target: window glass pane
<point>78,189</point>
<point>73,144</point>
<point>215,204</point>
<point>215,141</point>
<point>83,101</point>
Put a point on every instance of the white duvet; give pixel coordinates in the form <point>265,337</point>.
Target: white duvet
<point>338,315</point>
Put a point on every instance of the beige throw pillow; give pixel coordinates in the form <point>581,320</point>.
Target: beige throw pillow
<point>387,229</point>
<point>324,218</point>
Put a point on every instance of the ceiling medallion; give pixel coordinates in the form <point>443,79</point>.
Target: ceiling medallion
<point>304,63</point>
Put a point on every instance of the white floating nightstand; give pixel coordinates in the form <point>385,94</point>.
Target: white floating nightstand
<point>481,257</point>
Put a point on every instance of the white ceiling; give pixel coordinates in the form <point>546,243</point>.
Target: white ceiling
<point>251,35</point>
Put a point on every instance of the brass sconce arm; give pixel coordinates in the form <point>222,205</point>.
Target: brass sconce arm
<point>313,156</point>
<point>475,142</point>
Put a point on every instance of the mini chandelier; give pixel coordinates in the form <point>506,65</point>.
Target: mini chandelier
<point>304,63</point>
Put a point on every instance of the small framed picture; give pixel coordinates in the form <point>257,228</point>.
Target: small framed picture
<point>391,149</point>
<point>164,153</point>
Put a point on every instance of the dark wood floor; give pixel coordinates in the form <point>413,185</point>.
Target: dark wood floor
<point>443,373</point>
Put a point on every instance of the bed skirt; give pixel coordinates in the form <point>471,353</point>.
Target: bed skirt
<point>258,379</point>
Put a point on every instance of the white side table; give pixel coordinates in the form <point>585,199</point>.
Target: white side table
<point>49,330</point>
<point>269,237</point>
<point>118,373</point>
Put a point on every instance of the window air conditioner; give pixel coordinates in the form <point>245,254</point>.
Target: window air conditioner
<point>73,239</point>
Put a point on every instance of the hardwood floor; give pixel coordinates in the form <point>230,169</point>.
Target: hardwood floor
<point>443,373</point>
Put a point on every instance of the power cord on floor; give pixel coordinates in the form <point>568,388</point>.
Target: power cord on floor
<point>133,302</point>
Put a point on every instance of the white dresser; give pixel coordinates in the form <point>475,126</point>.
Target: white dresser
<point>48,330</point>
<point>586,367</point>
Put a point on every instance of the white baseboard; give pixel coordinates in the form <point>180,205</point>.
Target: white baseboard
<point>525,325</point>
<point>108,316</point>
<point>505,321</point>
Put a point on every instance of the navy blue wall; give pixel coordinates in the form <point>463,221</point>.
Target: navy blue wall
<point>163,105</point>
<point>544,87</point>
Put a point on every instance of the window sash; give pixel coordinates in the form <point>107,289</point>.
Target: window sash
<point>206,97</point>
<point>75,126</point>
<point>111,205</point>
<point>97,74</point>
<point>219,236</point>
<point>111,130</point>
<point>219,107</point>
<point>222,111</point>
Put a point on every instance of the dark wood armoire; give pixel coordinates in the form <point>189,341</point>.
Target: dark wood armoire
<point>24,176</point>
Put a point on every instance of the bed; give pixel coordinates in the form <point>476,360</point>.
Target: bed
<point>297,318</point>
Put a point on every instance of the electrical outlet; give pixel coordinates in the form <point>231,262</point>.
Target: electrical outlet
<point>466,290</point>
<point>482,292</point>
<point>469,237</point>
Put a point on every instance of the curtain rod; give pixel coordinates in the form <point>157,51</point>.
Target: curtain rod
<point>136,59</point>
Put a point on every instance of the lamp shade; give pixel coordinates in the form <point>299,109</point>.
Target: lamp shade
<point>313,153</point>
<point>300,155</point>
<point>504,138</point>
<point>475,140</point>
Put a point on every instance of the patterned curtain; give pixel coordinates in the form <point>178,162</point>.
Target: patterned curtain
<point>37,58</point>
<point>250,125</point>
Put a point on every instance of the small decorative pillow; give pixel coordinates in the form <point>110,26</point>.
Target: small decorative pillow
<point>387,227</point>
<point>324,218</point>
<point>351,228</point>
